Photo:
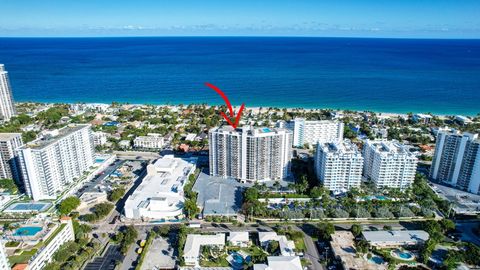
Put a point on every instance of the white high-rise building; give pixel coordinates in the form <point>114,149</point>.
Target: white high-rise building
<point>389,164</point>
<point>250,154</point>
<point>51,163</point>
<point>7,108</point>
<point>457,160</point>
<point>339,165</point>
<point>4,265</point>
<point>9,142</point>
<point>314,131</point>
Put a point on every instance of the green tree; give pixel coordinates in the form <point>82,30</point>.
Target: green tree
<point>9,185</point>
<point>325,229</point>
<point>251,194</point>
<point>68,205</point>
<point>316,192</point>
<point>190,208</point>
<point>356,230</point>
<point>116,194</point>
<point>273,247</point>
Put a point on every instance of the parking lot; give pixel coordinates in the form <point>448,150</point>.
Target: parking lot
<point>462,202</point>
<point>101,182</point>
<point>219,196</point>
<point>159,255</point>
<point>108,261</point>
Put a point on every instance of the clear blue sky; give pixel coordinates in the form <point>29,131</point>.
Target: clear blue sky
<point>355,18</point>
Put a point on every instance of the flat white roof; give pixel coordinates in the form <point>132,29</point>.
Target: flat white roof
<point>165,179</point>
<point>284,263</point>
<point>238,236</point>
<point>190,137</point>
<point>194,241</point>
<point>395,237</point>
<point>9,136</point>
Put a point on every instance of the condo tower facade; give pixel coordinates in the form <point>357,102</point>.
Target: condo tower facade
<point>250,153</point>
<point>49,164</point>
<point>456,161</point>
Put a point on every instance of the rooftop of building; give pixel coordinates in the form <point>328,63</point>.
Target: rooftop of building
<point>422,115</point>
<point>150,136</point>
<point>238,236</point>
<point>287,247</point>
<point>8,136</point>
<point>54,136</point>
<point>20,266</point>
<point>280,262</point>
<point>194,241</point>
<point>454,132</point>
<point>396,236</point>
<point>342,147</point>
<point>324,121</point>
<point>163,183</point>
<point>249,130</point>
<point>393,147</point>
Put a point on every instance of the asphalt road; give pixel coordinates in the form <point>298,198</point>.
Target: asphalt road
<point>311,252</point>
<point>129,262</point>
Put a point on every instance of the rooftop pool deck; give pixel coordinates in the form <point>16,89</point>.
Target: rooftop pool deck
<point>27,231</point>
<point>28,207</point>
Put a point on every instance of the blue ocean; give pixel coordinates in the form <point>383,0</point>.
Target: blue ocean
<point>384,75</point>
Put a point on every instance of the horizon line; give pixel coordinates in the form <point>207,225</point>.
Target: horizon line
<point>241,36</point>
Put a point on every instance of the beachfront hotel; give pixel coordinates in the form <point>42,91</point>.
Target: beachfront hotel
<point>250,153</point>
<point>9,142</point>
<point>314,131</point>
<point>389,164</point>
<point>160,195</point>
<point>49,164</point>
<point>338,165</point>
<point>7,108</point>
<point>456,161</point>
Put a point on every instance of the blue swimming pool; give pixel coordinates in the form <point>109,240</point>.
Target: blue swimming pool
<point>376,260</point>
<point>237,258</point>
<point>266,130</point>
<point>403,255</point>
<point>27,231</point>
<point>99,160</point>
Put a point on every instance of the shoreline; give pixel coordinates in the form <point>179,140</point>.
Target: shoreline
<point>257,109</point>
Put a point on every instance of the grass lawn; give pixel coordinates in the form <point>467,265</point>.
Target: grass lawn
<point>253,250</point>
<point>299,244</point>
<point>218,262</point>
<point>23,257</point>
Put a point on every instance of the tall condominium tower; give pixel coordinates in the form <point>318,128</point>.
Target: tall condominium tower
<point>389,164</point>
<point>50,163</point>
<point>4,265</point>
<point>9,142</point>
<point>250,154</point>
<point>457,160</point>
<point>313,132</point>
<point>339,165</point>
<point>7,109</point>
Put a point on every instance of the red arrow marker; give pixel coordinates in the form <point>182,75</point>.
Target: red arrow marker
<point>229,105</point>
